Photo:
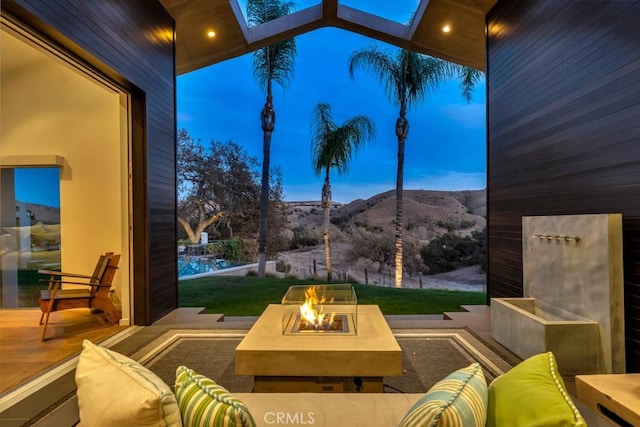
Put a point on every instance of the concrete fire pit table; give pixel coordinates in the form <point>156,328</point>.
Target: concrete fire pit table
<point>319,362</point>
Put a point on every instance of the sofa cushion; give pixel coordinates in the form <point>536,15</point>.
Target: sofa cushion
<point>532,394</point>
<point>328,409</point>
<point>114,390</point>
<point>202,402</point>
<point>460,399</point>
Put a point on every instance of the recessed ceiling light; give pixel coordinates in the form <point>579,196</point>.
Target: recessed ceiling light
<point>211,34</point>
<point>446,28</point>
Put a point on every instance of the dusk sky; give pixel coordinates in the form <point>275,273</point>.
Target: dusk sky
<point>445,149</point>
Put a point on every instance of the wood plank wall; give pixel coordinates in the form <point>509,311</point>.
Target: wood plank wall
<point>563,111</point>
<point>131,42</point>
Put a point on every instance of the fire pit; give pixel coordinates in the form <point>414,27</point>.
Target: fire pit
<point>320,309</point>
<point>284,356</point>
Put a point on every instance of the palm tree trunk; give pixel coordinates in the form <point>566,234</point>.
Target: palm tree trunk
<point>268,119</point>
<point>402,129</point>
<point>326,212</point>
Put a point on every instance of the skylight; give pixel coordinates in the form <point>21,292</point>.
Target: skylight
<point>299,5</point>
<point>397,10</point>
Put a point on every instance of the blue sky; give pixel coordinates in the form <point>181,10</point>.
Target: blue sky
<point>445,149</point>
<point>38,185</point>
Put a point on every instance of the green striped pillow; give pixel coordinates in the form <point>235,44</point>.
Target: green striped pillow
<point>459,400</point>
<point>204,403</point>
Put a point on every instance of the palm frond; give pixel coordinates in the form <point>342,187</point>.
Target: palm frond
<point>383,67</point>
<point>322,127</point>
<point>469,77</point>
<point>276,63</point>
<point>273,63</point>
<point>409,77</point>
<point>349,137</point>
<point>261,11</point>
<point>332,145</point>
<point>427,74</point>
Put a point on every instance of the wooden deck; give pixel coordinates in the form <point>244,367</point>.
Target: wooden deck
<point>23,356</point>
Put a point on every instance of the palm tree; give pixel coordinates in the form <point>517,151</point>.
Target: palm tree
<point>333,146</point>
<point>407,78</point>
<point>273,63</point>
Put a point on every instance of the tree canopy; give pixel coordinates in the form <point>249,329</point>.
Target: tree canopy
<point>219,190</point>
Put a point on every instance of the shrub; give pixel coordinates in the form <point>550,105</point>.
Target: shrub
<point>282,266</point>
<point>236,249</point>
<point>301,238</point>
<point>449,226</point>
<point>450,251</point>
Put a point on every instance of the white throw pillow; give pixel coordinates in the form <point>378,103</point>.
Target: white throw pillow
<point>114,390</point>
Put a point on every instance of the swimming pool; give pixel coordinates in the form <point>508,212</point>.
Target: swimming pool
<point>191,265</point>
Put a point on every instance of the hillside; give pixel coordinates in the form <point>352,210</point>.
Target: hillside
<point>427,214</point>
<point>43,214</point>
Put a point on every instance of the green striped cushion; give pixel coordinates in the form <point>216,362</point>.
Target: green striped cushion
<point>204,403</point>
<point>459,400</point>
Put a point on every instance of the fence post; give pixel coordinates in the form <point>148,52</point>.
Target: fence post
<point>315,268</point>
<point>366,277</point>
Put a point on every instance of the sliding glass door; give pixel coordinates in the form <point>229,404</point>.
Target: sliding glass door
<point>64,163</point>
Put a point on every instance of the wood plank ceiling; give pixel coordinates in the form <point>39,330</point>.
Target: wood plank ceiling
<point>464,44</point>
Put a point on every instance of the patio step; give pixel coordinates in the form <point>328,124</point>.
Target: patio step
<point>189,317</point>
<point>478,317</point>
<point>475,308</point>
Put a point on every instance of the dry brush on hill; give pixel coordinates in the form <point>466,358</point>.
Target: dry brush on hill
<point>428,214</point>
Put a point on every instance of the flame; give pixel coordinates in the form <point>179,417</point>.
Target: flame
<point>308,310</point>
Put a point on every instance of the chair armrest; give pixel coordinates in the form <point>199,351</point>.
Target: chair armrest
<point>101,285</point>
<point>60,273</point>
<point>69,282</point>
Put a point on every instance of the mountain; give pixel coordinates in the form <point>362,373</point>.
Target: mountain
<point>42,213</point>
<point>427,214</point>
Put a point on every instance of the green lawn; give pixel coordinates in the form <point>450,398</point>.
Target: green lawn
<point>249,296</point>
<point>29,285</point>
<point>29,288</point>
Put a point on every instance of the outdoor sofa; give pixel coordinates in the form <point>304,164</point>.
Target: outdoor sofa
<point>115,390</point>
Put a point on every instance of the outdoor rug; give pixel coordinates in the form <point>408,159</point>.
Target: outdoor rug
<point>428,356</point>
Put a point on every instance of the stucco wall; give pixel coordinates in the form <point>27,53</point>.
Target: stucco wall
<point>48,108</point>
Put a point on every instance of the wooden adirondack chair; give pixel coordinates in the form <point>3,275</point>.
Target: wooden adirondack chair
<point>95,296</point>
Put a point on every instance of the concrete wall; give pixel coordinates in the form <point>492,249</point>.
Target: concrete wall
<point>582,276</point>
